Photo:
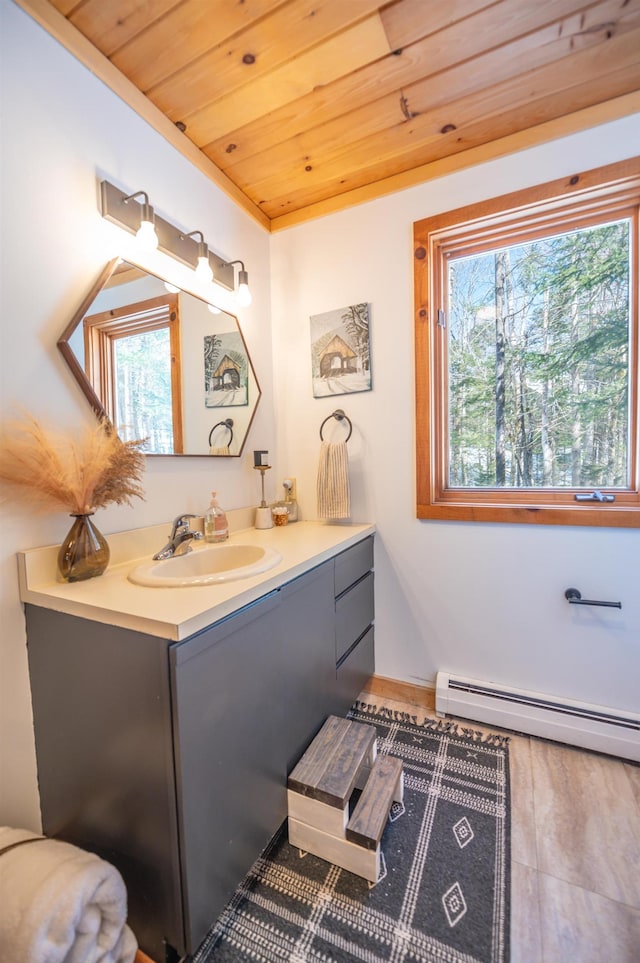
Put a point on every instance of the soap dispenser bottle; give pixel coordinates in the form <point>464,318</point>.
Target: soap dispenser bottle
<point>216,528</point>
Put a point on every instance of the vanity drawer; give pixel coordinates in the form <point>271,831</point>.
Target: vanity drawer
<point>354,614</point>
<point>354,671</point>
<point>352,565</point>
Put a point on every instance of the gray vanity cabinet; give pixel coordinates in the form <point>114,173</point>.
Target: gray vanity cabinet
<point>170,759</point>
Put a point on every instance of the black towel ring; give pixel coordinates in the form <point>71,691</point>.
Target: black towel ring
<point>228,424</point>
<point>339,415</point>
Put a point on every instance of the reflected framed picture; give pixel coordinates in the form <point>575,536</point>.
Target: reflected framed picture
<point>225,370</point>
<point>340,351</point>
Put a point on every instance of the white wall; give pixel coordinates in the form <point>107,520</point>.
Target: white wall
<point>62,131</point>
<point>486,600</point>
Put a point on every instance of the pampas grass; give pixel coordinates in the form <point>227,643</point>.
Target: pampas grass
<point>48,470</point>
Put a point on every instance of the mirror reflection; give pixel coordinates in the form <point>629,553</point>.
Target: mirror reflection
<point>162,364</point>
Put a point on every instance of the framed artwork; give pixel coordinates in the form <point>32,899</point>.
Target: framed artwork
<point>225,370</point>
<point>340,351</point>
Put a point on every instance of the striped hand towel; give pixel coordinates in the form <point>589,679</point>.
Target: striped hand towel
<point>334,495</point>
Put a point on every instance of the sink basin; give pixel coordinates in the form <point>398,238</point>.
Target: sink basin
<point>206,566</point>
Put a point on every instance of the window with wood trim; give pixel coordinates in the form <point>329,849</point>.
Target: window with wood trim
<point>132,358</point>
<point>526,329</point>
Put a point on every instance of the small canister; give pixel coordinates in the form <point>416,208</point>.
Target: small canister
<point>280,515</point>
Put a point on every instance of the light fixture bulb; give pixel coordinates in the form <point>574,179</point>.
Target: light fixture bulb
<point>243,294</point>
<point>146,236</point>
<point>203,269</point>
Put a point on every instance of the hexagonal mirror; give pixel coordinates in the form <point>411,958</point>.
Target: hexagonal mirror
<point>162,364</point>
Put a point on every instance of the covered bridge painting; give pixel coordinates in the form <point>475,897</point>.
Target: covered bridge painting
<point>225,370</point>
<point>340,355</point>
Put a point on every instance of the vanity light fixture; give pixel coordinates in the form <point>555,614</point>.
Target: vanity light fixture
<point>243,294</point>
<point>146,233</point>
<point>204,271</point>
<point>120,208</point>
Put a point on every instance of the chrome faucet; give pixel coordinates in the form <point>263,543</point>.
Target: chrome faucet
<point>179,539</point>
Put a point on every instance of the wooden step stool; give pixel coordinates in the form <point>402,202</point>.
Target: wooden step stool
<point>341,758</point>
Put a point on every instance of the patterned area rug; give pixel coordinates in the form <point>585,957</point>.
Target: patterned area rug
<point>445,895</point>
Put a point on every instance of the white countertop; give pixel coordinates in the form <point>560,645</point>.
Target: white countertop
<point>176,613</point>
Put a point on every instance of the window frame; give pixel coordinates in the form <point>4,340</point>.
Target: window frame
<point>101,330</point>
<point>572,202</point>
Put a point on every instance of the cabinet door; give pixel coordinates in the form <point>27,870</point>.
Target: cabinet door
<point>102,718</point>
<point>309,658</point>
<point>229,757</point>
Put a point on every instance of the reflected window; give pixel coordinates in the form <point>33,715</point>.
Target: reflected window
<point>131,354</point>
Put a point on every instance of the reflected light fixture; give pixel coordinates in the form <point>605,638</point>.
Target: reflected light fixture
<point>204,271</point>
<point>243,294</point>
<point>171,288</point>
<point>146,234</point>
<point>122,209</point>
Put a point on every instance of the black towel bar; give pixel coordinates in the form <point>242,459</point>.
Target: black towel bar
<point>339,415</point>
<point>573,596</point>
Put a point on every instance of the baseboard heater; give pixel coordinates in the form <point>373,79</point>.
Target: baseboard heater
<point>574,723</point>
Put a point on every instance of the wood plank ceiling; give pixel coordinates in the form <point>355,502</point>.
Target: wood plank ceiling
<point>305,104</point>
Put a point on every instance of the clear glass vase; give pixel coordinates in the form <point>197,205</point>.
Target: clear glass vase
<point>84,552</point>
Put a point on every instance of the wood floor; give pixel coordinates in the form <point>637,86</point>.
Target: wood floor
<point>575,846</point>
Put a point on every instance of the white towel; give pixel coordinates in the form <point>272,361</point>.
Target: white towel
<point>60,904</point>
<point>334,495</point>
